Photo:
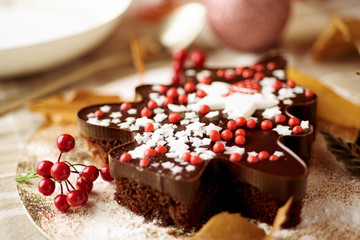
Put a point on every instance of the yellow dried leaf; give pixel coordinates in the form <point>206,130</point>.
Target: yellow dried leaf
<point>280,217</point>
<point>62,109</point>
<point>331,107</point>
<point>338,39</point>
<point>230,226</point>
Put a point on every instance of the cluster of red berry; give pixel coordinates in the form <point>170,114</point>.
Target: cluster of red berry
<point>60,172</point>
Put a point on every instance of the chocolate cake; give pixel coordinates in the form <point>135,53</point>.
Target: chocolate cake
<point>230,139</point>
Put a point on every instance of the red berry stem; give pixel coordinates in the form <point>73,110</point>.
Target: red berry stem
<point>59,156</point>
<point>67,186</point>
<point>67,181</point>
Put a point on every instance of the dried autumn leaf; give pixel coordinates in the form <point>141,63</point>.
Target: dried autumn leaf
<point>347,153</point>
<point>230,226</point>
<point>340,38</point>
<point>280,217</point>
<point>62,109</point>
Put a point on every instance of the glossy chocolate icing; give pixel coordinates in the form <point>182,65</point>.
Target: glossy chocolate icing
<point>280,179</point>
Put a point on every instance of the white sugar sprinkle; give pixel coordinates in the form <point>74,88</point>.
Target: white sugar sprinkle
<point>105,108</point>
<point>282,130</point>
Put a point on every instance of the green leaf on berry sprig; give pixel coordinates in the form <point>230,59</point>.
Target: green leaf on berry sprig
<point>345,152</point>
<point>27,176</point>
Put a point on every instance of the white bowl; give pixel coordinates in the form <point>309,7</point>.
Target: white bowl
<point>40,34</point>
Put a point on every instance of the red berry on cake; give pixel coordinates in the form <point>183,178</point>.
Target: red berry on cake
<point>240,140</point>
<point>176,66</point>
<point>144,162</point>
<point>167,101</point>
<point>290,84</point>
<point>46,186</point>
<point>229,75</point>
<point>125,106</point>
<point>162,89</point>
<point>183,98</point>
<point>263,155</point>
<point>218,147</point>
<point>186,156</point>
<point>259,76</point>
<point>60,171</point>
<point>240,121</point>
<point>235,157</point>
<point>125,157</point>
<point>247,73</point>
<point>280,118</point>
<point>273,158</point>
<point>214,135</point>
<point>197,58</point>
<point>200,93</point>
<point>240,132</point>
<point>98,113</point>
<point>175,80</point>
<point>309,93</point>
<point>271,66</point>
<point>65,142</point>
<point>239,70</point>
<point>252,159</point>
<point>196,160</point>
<point>161,149</point>
<point>266,125</point>
<point>145,112</point>
<point>298,129</point>
<point>149,153</point>
<point>277,85</point>
<point>105,173</point>
<point>251,123</point>
<point>226,135</point>
<point>206,80</point>
<point>43,168</point>
<point>179,55</point>
<point>60,203</point>
<point>190,87</point>
<point>172,93</point>
<point>293,121</point>
<point>149,127</point>
<point>204,109</point>
<point>152,104</point>
<point>174,117</point>
<point>220,73</point>
<point>231,125</point>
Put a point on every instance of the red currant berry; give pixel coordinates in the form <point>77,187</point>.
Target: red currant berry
<point>290,84</point>
<point>65,143</point>
<point>90,173</point>
<point>75,198</point>
<point>196,160</point>
<point>231,125</point>
<point>277,85</point>
<point>309,93</point>
<point>179,55</point>
<point>235,157</point>
<point>149,153</point>
<point>280,118</point>
<point>252,159</point>
<point>183,98</point>
<point>214,135</point>
<point>240,140</point>
<point>60,171</point>
<point>161,149</point>
<point>172,93</point>
<point>204,109</point>
<point>297,129</point>
<point>190,87</point>
<point>229,75</point>
<point>259,76</point>
<point>43,168</point>
<point>226,135</point>
<point>162,89</point>
<point>240,121</point>
<point>98,113</point>
<point>206,80</point>
<point>220,73</point>
<point>271,65</point>
<point>293,121</point>
<point>186,156</point>
<point>273,158</point>
<point>105,174</point>
<point>240,132</point>
<point>46,186</point>
<point>263,155</point>
<point>266,125</point>
<point>247,73</point>
<point>168,101</point>
<point>200,93</point>
<point>145,112</point>
<point>83,185</point>
<point>152,104</point>
<point>144,162</point>
<point>174,117</point>
<point>125,106</point>
<point>60,203</point>
<point>197,58</point>
<point>86,198</point>
<point>251,123</point>
<point>218,147</point>
<point>125,157</point>
<point>149,127</point>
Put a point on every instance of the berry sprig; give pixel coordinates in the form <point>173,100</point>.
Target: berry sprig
<point>61,171</point>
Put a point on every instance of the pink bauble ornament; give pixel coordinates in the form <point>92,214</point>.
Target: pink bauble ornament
<point>248,25</point>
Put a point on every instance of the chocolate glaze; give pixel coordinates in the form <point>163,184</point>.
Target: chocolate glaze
<point>280,179</point>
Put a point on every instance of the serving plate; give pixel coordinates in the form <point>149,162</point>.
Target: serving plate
<point>38,34</point>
